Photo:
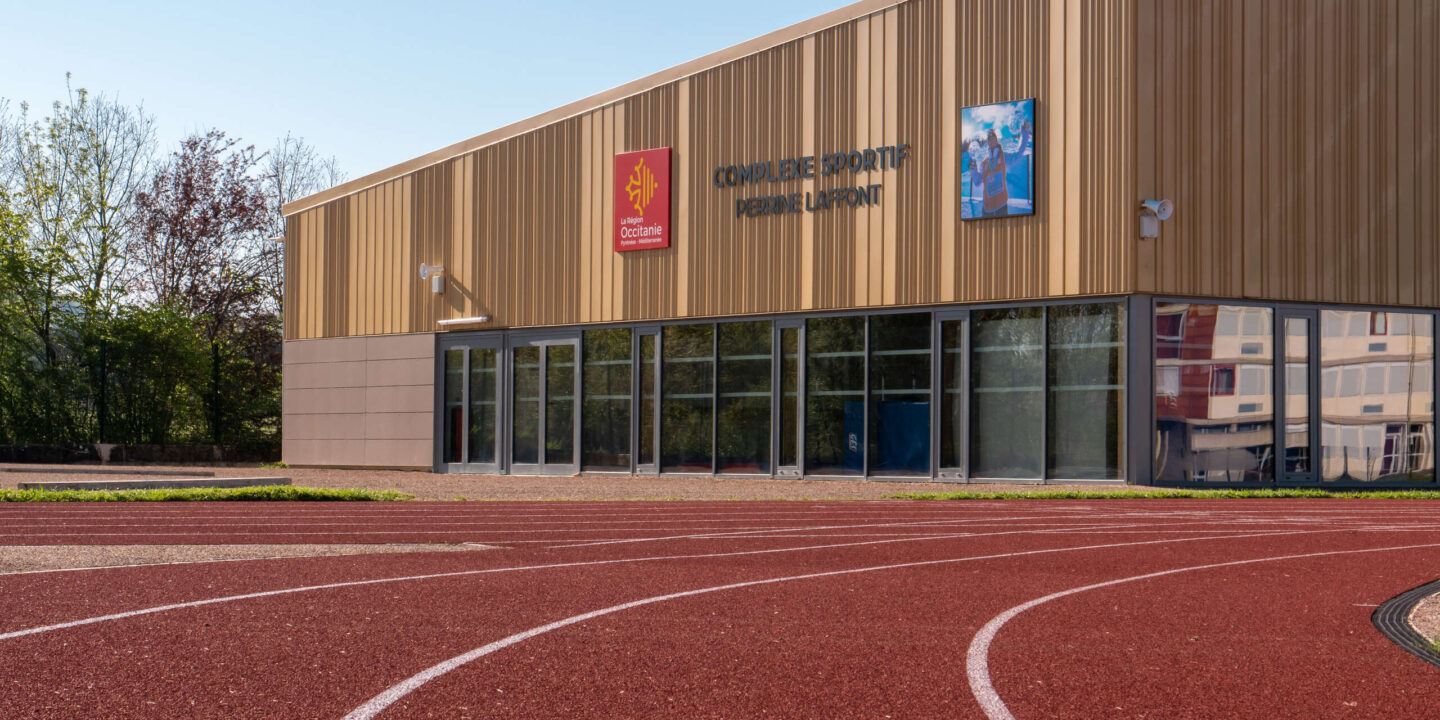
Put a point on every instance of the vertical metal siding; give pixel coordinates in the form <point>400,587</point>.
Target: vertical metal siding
<point>1298,141</point>
<point>523,227</point>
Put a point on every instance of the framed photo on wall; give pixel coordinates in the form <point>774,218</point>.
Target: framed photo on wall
<point>997,160</point>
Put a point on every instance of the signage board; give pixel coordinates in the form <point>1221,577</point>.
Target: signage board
<point>642,200</point>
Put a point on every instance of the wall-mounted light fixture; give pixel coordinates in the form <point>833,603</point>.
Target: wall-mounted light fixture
<point>458,323</point>
<point>436,275</point>
<point>1151,213</point>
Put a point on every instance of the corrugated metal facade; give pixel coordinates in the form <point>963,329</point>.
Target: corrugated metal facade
<point>523,226</point>
<point>1297,138</point>
<point>1298,141</point>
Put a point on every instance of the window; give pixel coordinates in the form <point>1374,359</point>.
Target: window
<point>899,436</point>
<point>525,436</point>
<point>789,396</point>
<point>1086,379</point>
<point>687,400</point>
<point>743,401</point>
<point>1222,380</point>
<point>835,396</point>
<point>1378,323</point>
<point>1007,380</point>
<point>1196,436</point>
<point>1357,446</point>
<point>484,420</point>
<point>952,393</point>
<point>605,409</point>
<point>454,405</point>
<point>1170,326</point>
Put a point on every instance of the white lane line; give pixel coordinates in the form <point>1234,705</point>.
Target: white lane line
<point>375,705</point>
<point>812,528</point>
<point>462,573</point>
<point>977,659</point>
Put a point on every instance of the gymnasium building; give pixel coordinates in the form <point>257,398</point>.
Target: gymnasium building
<point>1147,241</point>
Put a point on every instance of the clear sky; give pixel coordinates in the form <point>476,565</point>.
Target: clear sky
<point>372,83</point>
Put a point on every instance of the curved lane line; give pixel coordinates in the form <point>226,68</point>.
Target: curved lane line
<point>462,573</point>
<point>376,705</point>
<point>977,658</point>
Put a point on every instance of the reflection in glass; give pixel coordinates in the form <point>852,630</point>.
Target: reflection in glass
<point>1297,395</point>
<point>743,410</point>
<point>835,396</point>
<point>454,404</point>
<point>648,365</point>
<point>952,393</point>
<point>1007,373</point>
<point>525,434</point>
<point>483,405</point>
<point>1086,372</point>
<point>900,394</point>
<point>1377,404</point>
<point>688,398</point>
<point>789,395</point>
<point>1214,404</point>
<point>605,400</point>
<point>560,405</point>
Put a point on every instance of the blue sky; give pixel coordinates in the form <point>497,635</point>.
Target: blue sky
<point>373,83</point>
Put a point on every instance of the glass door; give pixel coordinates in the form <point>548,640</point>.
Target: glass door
<point>951,409</point>
<point>544,385</point>
<point>647,407</point>
<point>470,405</point>
<point>786,378</point>
<point>1297,395</point>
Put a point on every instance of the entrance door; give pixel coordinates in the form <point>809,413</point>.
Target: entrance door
<point>951,410</point>
<point>1297,392</point>
<point>470,405</point>
<point>544,412</point>
<point>787,378</point>
<point>647,406</point>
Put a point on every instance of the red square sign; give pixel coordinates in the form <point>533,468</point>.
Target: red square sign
<point>642,200</point>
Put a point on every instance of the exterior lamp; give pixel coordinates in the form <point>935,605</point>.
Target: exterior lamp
<point>1151,213</point>
<point>436,275</point>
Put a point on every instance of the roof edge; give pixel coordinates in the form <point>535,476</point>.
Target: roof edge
<point>764,42</point>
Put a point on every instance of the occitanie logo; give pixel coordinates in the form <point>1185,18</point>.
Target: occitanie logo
<point>641,187</point>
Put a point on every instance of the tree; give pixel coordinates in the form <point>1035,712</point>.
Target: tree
<point>196,224</point>
<point>293,169</point>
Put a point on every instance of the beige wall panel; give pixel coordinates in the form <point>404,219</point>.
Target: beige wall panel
<point>1297,140</point>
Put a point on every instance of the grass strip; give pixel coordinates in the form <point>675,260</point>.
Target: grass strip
<point>1176,493</point>
<point>267,493</point>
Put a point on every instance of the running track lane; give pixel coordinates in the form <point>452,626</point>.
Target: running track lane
<point>850,645</point>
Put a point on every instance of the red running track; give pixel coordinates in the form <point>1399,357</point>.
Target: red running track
<point>1027,609</point>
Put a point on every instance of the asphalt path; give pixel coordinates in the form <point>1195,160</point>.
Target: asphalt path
<point>973,609</point>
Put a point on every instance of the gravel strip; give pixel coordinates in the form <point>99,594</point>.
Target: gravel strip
<point>32,558</point>
<point>432,486</point>
<point>1425,618</point>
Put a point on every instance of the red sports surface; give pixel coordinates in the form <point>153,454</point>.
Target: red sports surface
<point>1028,609</point>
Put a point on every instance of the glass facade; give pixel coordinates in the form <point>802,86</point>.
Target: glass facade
<point>1214,395</point>
<point>687,398</point>
<point>1377,398</point>
<point>1085,372</point>
<point>899,429</point>
<point>560,405</point>
<point>605,420</point>
<point>525,429</point>
<point>1250,394</point>
<point>484,406</point>
<point>742,412</point>
<point>835,396</point>
<point>1007,393</point>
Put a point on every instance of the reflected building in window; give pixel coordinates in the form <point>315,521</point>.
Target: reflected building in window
<point>1214,401</point>
<point>1377,397</point>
